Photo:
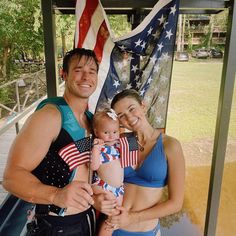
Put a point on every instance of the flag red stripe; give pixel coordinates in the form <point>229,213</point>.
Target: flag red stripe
<point>102,36</point>
<point>73,157</point>
<point>78,163</point>
<point>121,153</point>
<point>66,149</point>
<point>128,157</point>
<point>85,20</point>
<point>134,158</point>
<point>69,153</point>
<point>124,151</point>
<point>82,156</point>
<point>70,157</point>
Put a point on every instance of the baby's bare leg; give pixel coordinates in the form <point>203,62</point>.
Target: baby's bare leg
<point>119,200</point>
<point>104,231</point>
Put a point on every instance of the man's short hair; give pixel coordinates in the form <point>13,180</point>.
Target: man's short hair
<point>78,52</point>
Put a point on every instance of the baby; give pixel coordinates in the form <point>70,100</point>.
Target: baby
<point>105,158</point>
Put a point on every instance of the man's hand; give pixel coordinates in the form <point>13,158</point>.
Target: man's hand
<point>76,194</point>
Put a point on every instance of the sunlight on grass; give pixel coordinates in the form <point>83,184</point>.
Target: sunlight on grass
<point>194,99</point>
<point>192,113</point>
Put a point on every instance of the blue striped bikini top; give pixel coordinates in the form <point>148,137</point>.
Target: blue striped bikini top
<point>109,153</point>
<point>154,170</point>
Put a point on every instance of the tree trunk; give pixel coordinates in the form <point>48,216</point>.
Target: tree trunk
<point>179,34</point>
<point>190,36</point>
<point>211,28</point>
<point>63,42</point>
<point>3,62</point>
<point>183,33</point>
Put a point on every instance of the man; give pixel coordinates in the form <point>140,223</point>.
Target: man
<point>35,171</point>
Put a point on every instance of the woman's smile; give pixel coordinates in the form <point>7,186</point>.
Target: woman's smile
<point>133,123</point>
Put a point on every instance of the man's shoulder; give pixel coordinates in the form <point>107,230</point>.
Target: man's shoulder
<point>56,101</point>
<point>48,113</point>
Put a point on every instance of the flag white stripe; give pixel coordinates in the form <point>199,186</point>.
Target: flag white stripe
<point>67,150</point>
<point>76,160</point>
<point>77,164</point>
<point>71,156</point>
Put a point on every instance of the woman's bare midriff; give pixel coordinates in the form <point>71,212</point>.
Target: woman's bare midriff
<point>138,198</point>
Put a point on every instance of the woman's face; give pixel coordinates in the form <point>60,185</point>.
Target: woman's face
<point>131,113</point>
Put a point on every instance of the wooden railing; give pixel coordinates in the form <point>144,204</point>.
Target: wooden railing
<point>28,91</point>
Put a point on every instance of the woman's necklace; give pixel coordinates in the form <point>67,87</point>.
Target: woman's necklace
<point>141,146</point>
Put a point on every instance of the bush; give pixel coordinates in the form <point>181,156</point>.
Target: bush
<point>4,95</point>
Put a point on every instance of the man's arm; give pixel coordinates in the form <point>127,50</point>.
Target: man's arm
<point>27,151</point>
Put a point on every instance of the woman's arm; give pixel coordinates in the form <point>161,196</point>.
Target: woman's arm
<point>176,175</point>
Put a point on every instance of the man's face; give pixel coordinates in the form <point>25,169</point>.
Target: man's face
<point>81,79</point>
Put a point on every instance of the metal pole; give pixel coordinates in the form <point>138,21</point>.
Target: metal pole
<point>222,124</point>
<point>18,105</point>
<point>37,85</point>
<point>50,47</point>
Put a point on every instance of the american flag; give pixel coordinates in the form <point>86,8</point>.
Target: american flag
<point>128,151</point>
<point>141,60</point>
<point>76,153</point>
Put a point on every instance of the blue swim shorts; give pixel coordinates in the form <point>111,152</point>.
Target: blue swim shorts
<point>122,232</point>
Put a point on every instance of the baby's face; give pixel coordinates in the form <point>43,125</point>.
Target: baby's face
<point>108,130</point>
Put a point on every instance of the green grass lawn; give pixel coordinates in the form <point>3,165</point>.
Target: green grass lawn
<point>194,99</point>
<point>192,113</point>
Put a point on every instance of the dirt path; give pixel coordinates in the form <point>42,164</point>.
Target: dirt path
<point>198,155</point>
<point>199,152</point>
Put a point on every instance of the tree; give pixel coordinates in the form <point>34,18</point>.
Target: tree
<point>119,24</point>
<point>65,29</point>
<point>20,32</point>
<point>221,20</point>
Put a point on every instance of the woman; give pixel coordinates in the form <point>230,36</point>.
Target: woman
<point>160,163</point>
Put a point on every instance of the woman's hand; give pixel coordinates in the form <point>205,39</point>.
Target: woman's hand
<point>120,220</point>
<point>104,204</point>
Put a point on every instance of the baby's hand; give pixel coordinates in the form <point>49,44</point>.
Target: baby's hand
<point>97,144</point>
<point>98,141</point>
